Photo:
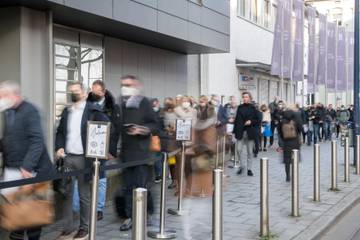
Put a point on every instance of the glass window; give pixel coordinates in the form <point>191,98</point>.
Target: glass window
<point>242,8</point>
<point>74,63</point>
<point>267,13</point>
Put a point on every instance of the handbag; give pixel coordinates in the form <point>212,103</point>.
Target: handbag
<point>30,206</point>
<point>155,145</point>
<point>63,185</point>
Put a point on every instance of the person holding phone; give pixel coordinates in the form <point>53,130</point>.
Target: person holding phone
<point>139,122</point>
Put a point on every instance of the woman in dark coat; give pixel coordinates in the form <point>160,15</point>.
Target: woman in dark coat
<point>293,115</point>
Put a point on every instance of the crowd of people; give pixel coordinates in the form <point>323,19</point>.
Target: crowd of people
<point>135,120</point>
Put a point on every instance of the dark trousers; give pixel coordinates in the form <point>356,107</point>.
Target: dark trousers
<point>273,126</point>
<point>32,234</point>
<point>136,177</point>
<point>287,170</point>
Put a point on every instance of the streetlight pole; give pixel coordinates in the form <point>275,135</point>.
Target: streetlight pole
<point>356,71</point>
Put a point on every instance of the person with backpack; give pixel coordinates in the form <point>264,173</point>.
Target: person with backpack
<point>290,131</point>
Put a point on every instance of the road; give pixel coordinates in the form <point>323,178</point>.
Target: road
<point>346,228</point>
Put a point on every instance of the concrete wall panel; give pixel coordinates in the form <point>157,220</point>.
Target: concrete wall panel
<point>136,14</point>
<point>103,8</point>
<point>173,26</point>
<point>177,8</point>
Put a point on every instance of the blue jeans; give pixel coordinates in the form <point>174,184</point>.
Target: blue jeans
<point>158,164</point>
<point>316,132</point>
<point>101,196</point>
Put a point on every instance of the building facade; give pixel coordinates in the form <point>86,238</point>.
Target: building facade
<point>247,66</point>
<point>49,43</point>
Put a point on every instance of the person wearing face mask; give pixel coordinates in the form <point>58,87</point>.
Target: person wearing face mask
<point>277,117</point>
<point>162,135</point>
<point>246,125</point>
<point>231,108</point>
<point>70,144</point>
<point>103,99</point>
<point>197,169</point>
<point>171,143</point>
<point>22,145</point>
<point>185,110</point>
<point>139,122</point>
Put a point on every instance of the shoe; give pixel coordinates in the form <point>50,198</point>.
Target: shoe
<point>81,235</point>
<point>240,171</point>
<point>126,225</point>
<point>250,173</point>
<point>172,185</point>
<point>100,215</point>
<point>66,235</point>
<point>255,155</point>
<point>265,150</point>
<point>157,179</point>
<point>288,178</point>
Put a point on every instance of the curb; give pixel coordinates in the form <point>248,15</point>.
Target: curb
<point>330,218</point>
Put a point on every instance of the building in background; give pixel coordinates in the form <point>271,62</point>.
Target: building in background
<point>247,66</point>
<point>341,12</point>
<point>48,43</point>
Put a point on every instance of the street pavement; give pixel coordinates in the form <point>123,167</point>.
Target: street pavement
<point>241,216</point>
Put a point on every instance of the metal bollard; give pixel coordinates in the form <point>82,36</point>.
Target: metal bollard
<point>223,152</point>
<point>357,156</point>
<point>179,211</point>
<point>295,184</point>
<point>217,154</point>
<point>217,214</point>
<point>346,160</point>
<point>139,214</point>
<point>162,234</point>
<point>94,200</point>
<point>317,173</point>
<point>333,165</point>
<point>264,198</point>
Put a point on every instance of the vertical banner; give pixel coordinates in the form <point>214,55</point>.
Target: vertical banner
<point>311,54</point>
<point>331,54</point>
<point>321,73</point>
<point>287,48</point>
<point>340,60</point>
<point>298,67</point>
<point>350,41</point>
<point>276,59</point>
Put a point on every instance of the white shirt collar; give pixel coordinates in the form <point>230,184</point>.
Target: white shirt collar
<point>80,106</point>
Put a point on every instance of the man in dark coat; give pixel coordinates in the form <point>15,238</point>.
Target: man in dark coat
<point>23,145</point>
<point>70,144</point>
<point>140,122</point>
<point>245,130</point>
<point>103,98</point>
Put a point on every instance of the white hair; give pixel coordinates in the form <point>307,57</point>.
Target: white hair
<point>10,86</point>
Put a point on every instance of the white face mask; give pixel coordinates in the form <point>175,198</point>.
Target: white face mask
<point>156,109</point>
<point>186,105</point>
<point>129,91</point>
<point>5,104</point>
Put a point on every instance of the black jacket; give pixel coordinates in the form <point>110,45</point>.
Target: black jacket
<point>290,144</point>
<point>244,113</point>
<point>136,148</point>
<point>113,112</point>
<point>23,142</point>
<point>91,113</point>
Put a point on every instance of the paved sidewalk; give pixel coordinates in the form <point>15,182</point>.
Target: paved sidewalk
<point>241,204</point>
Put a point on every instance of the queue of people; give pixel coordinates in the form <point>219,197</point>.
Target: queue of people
<point>135,121</point>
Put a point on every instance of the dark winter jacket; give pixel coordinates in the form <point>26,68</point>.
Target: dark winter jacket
<point>290,144</point>
<point>244,113</point>
<point>113,112</point>
<point>137,148</point>
<point>91,113</point>
<point>23,143</point>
